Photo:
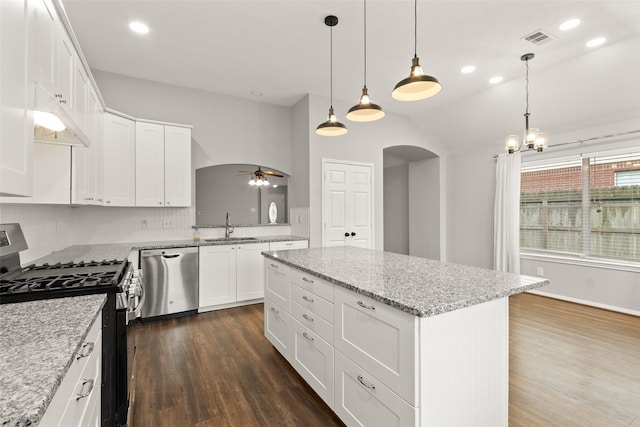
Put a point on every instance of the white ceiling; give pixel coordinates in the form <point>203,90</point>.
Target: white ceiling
<point>281,48</point>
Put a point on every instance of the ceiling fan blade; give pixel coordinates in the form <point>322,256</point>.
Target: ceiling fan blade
<point>272,174</point>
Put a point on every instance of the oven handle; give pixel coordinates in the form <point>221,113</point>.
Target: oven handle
<point>142,297</point>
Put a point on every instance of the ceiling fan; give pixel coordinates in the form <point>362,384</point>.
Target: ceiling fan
<point>259,177</point>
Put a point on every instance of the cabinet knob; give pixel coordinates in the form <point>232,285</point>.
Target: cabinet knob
<point>364,383</point>
<point>368,307</point>
<point>353,234</point>
<point>108,201</point>
<point>58,95</point>
<point>168,202</point>
<point>159,203</point>
<point>346,234</point>
<point>88,392</point>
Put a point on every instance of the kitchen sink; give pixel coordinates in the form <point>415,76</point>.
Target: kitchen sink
<point>231,239</point>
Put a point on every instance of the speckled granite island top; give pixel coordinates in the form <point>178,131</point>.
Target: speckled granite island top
<point>419,286</point>
<point>37,342</point>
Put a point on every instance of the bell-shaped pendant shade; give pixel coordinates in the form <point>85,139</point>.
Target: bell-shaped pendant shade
<point>332,127</point>
<point>417,86</point>
<point>365,110</point>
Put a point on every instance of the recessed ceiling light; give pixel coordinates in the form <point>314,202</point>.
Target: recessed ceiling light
<point>596,42</point>
<point>468,69</point>
<point>495,80</point>
<point>139,27</point>
<point>570,24</point>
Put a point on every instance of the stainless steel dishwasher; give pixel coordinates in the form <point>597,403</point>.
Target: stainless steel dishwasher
<point>170,282</point>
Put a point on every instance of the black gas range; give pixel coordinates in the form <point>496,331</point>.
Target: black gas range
<point>68,279</point>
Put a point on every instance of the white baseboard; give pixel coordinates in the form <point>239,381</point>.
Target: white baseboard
<point>586,302</point>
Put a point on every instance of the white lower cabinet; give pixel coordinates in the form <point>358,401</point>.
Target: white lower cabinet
<point>293,244</point>
<point>313,359</point>
<point>77,401</point>
<point>278,328</point>
<point>277,287</point>
<point>230,275</point>
<point>363,400</point>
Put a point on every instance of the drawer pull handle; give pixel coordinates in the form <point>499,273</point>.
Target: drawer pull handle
<point>83,395</point>
<point>368,307</point>
<point>306,298</point>
<point>274,310</point>
<point>274,266</point>
<point>364,383</point>
<point>307,280</point>
<point>288,244</point>
<point>89,346</point>
<point>310,319</point>
<point>307,337</point>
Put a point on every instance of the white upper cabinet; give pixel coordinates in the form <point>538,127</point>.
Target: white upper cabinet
<point>95,179</point>
<point>43,38</point>
<point>149,164</point>
<point>16,123</point>
<point>163,165</point>
<point>119,161</point>
<point>66,58</point>
<point>177,166</point>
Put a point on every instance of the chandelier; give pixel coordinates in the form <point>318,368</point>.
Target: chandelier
<point>533,138</point>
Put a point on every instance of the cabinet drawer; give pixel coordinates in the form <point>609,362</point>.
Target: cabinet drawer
<point>362,400</point>
<point>312,284</point>
<point>312,321</point>
<point>313,359</point>
<point>278,328</point>
<point>312,302</point>
<point>380,339</point>
<point>296,244</point>
<point>277,286</point>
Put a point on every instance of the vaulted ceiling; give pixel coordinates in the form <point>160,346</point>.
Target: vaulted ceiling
<point>278,51</point>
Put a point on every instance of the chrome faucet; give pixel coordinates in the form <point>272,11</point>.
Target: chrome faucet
<point>228,229</point>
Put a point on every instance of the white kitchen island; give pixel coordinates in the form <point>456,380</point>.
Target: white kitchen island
<point>393,340</point>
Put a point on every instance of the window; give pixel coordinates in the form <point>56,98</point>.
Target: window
<point>586,206</point>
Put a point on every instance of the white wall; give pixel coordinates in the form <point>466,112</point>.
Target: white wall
<point>363,143</point>
<point>299,182</point>
<point>425,228</point>
<point>396,209</point>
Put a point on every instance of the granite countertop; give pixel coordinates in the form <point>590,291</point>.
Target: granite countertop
<point>38,340</point>
<point>109,251</point>
<point>419,286</point>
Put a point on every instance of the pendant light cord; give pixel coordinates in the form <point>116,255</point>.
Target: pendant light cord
<point>526,63</point>
<point>331,65</point>
<point>365,43</point>
<point>415,29</point>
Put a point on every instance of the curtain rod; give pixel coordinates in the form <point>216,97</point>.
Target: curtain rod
<point>581,141</point>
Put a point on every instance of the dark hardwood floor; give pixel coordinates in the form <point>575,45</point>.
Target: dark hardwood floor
<point>570,365</point>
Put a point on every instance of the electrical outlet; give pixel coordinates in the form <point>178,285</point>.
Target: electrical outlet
<point>167,223</point>
<point>540,271</point>
<point>145,224</point>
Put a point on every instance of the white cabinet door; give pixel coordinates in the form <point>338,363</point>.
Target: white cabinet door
<point>362,400</point>
<point>42,43</point>
<point>278,287</point>
<point>79,179</point>
<point>119,156</point>
<point>16,123</point>
<point>313,359</point>
<point>51,176</point>
<point>80,97</point>
<point>95,170</point>
<point>65,70</point>
<point>177,166</point>
<point>250,271</point>
<point>149,164</point>
<point>347,205</point>
<point>278,328</point>
<point>378,338</point>
<point>217,275</point>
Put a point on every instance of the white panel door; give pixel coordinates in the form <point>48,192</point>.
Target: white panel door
<point>347,205</point>
<point>42,43</point>
<point>16,124</point>
<point>149,164</point>
<point>79,178</point>
<point>119,161</point>
<point>177,166</point>
<point>217,275</point>
<point>250,271</point>
<point>66,56</point>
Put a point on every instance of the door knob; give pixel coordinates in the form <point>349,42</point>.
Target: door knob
<point>346,234</point>
<point>353,234</point>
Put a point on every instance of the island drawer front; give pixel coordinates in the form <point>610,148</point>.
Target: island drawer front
<point>64,409</point>
<point>362,400</point>
<point>277,285</point>
<point>294,244</point>
<point>312,321</point>
<point>380,339</point>
<point>313,359</point>
<point>278,328</point>
<point>312,302</point>
<point>312,284</point>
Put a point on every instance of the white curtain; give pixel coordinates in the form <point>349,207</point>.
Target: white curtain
<point>506,221</point>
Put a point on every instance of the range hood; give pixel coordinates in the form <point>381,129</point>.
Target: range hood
<point>46,102</point>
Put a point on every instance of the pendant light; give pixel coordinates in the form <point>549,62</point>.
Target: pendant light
<point>418,85</point>
<point>365,110</point>
<point>332,127</point>
<point>533,138</point>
